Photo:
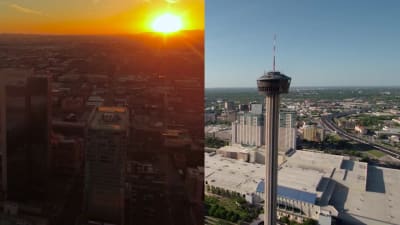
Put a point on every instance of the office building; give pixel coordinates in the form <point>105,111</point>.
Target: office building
<point>313,133</point>
<point>67,155</point>
<point>248,130</point>
<point>243,107</point>
<point>26,151</point>
<point>256,108</point>
<point>228,105</point>
<point>106,154</point>
<point>287,131</point>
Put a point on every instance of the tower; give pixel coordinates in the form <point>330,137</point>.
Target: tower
<point>272,84</point>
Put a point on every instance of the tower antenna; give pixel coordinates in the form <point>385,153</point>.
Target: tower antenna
<point>274,52</point>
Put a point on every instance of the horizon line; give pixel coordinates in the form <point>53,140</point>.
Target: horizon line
<point>300,86</point>
<point>96,34</point>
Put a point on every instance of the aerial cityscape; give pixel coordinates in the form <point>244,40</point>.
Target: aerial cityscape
<point>90,119</point>
<point>192,112</point>
<point>102,128</point>
<point>327,152</point>
<point>338,156</point>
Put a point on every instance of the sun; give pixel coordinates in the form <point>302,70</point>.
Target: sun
<point>167,23</point>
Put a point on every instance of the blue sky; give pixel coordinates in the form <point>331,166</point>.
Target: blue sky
<point>319,42</point>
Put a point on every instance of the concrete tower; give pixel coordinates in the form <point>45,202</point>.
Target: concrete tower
<point>272,84</point>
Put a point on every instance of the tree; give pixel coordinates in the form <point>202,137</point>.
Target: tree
<point>365,159</point>
<point>284,219</point>
<point>310,222</point>
<point>220,213</point>
<point>212,210</point>
<point>234,218</point>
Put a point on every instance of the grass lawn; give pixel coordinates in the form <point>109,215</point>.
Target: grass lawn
<point>376,153</point>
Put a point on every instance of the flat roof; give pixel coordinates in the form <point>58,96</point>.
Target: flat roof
<point>237,148</point>
<point>290,193</point>
<point>379,203</point>
<point>299,178</point>
<point>246,177</point>
<point>121,121</point>
<point>233,174</point>
<point>111,109</point>
<point>362,193</point>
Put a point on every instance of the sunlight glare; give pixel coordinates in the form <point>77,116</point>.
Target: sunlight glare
<point>167,23</point>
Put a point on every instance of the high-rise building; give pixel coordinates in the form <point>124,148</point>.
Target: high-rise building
<point>256,108</point>
<point>243,107</point>
<point>229,105</point>
<point>287,131</point>
<point>105,164</point>
<point>309,133</point>
<point>26,138</point>
<point>67,155</point>
<point>2,135</point>
<point>248,130</point>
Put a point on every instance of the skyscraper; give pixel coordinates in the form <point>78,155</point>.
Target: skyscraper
<point>287,131</point>
<point>248,130</point>
<point>105,164</point>
<point>26,138</point>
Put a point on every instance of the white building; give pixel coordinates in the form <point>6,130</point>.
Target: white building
<point>287,131</point>
<point>248,130</point>
<point>316,185</point>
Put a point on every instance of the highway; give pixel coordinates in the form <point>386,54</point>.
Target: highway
<point>327,122</point>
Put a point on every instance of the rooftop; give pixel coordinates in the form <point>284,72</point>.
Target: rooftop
<point>362,193</point>
<point>110,118</point>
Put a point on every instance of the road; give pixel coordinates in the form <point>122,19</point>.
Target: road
<point>327,121</point>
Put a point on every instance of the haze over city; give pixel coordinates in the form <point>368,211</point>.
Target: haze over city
<point>319,43</point>
<point>95,16</point>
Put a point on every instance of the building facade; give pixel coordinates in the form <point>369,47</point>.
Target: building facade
<point>248,130</point>
<point>105,165</point>
<point>287,131</point>
<point>26,125</point>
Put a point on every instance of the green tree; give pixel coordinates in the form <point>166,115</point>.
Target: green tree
<point>310,222</point>
<point>234,218</point>
<point>284,219</point>
<point>212,210</point>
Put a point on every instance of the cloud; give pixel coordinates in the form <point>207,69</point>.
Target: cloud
<point>25,10</point>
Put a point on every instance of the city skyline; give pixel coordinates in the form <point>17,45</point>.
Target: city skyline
<point>324,43</point>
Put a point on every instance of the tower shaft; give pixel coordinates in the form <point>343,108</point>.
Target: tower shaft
<point>272,102</point>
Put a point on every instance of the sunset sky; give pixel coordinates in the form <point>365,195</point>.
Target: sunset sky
<point>94,16</point>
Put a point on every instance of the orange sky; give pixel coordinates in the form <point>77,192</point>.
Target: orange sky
<point>94,16</point>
